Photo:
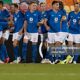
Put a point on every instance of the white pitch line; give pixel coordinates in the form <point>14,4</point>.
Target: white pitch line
<point>42,74</point>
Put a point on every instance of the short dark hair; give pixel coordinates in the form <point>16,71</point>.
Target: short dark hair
<point>42,3</point>
<point>15,5</point>
<point>61,5</point>
<point>54,2</point>
<point>76,3</point>
<point>1,2</point>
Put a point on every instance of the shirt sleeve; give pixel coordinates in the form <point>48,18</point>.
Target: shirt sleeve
<point>7,13</point>
<point>4,23</point>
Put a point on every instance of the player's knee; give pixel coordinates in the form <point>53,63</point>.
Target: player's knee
<point>70,43</point>
<point>58,44</point>
<point>15,43</point>
<point>25,40</point>
<point>77,45</point>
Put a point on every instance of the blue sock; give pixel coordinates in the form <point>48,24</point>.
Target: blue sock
<point>34,53</point>
<point>58,54</point>
<point>24,51</point>
<point>57,57</point>
<point>4,54</point>
<point>49,55</point>
<point>63,55</point>
<point>76,57</point>
<point>51,58</point>
<point>76,54</point>
<point>16,50</point>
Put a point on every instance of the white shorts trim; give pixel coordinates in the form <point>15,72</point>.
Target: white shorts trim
<point>33,37</point>
<point>61,37</point>
<point>51,37</point>
<point>74,38</point>
<point>6,35</point>
<point>16,36</point>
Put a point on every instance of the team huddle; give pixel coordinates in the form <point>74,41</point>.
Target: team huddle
<point>59,32</point>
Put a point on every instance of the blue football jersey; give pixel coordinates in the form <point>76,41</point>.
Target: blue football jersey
<point>74,19</point>
<point>18,21</point>
<point>32,21</point>
<point>54,19</point>
<point>4,15</point>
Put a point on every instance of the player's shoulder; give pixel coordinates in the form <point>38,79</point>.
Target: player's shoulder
<point>27,12</point>
<point>37,12</point>
<point>22,15</point>
<point>44,13</point>
<point>62,11</point>
<point>5,11</point>
<point>72,12</point>
<point>49,11</point>
<point>19,12</point>
<point>79,12</point>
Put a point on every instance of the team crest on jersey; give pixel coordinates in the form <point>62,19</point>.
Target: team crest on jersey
<point>74,20</point>
<point>31,19</point>
<point>45,15</point>
<point>56,19</point>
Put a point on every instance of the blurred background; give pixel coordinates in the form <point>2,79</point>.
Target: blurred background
<point>68,4</point>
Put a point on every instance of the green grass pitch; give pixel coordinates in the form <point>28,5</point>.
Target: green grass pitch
<point>39,72</point>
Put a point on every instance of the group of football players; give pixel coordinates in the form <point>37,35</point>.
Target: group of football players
<point>59,32</point>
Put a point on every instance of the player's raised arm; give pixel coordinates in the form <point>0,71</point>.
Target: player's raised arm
<point>46,25</point>
<point>25,26</point>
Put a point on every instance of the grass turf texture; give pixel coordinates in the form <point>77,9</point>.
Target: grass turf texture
<point>39,72</point>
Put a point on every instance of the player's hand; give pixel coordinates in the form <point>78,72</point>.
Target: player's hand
<point>10,23</point>
<point>41,23</point>
<point>63,18</point>
<point>20,33</point>
<point>47,28</point>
